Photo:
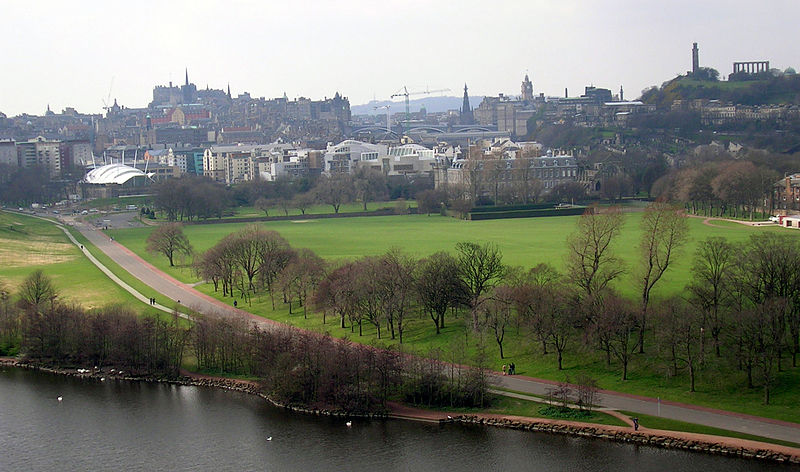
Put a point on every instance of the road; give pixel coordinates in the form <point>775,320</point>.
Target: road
<point>166,285</point>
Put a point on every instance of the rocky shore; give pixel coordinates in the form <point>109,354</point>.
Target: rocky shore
<point>714,445</point>
<point>665,439</point>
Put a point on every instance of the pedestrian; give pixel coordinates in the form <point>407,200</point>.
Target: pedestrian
<point>635,423</point>
<point>504,369</point>
<point>512,369</point>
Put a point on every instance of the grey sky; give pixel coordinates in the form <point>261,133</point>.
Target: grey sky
<point>65,53</point>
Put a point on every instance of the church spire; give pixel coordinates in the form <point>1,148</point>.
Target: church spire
<point>229,90</point>
<point>187,76</point>
<point>466,110</point>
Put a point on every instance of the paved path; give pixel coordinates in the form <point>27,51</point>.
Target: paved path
<point>188,296</point>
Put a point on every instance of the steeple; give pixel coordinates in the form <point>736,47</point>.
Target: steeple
<point>466,110</point>
<point>187,76</point>
<point>229,90</point>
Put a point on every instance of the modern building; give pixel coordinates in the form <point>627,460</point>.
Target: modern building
<point>40,152</point>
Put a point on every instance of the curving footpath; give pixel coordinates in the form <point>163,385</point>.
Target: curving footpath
<point>188,296</point>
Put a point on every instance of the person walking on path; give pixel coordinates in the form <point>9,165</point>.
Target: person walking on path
<point>504,369</point>
<point>635,423</point>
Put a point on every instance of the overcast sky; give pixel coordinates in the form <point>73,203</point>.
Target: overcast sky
<point>68,53</point>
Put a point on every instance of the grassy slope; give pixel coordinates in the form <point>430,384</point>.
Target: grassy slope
<point>523,242</point>
<point>36,244</point>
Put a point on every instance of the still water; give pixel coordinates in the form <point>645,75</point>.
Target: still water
<point>138,426</point>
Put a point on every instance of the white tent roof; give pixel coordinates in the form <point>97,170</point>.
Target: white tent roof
<point>112,174</point>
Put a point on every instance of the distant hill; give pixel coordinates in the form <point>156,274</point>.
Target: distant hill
<point>776,90</point>
<point>431,104</point>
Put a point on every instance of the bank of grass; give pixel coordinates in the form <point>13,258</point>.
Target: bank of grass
<point>657,422</point>
<point>28,244</point>
<point>319,209</point>
<point>524,242</point>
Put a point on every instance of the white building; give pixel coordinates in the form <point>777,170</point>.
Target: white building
<point>40,152</point>
<point>345,156</point>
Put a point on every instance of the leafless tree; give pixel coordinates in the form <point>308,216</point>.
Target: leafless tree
<point>712,272</point>
<point>680,333</point>
<point>664,231</point>
<point>37,291</point>
<point>480,267</point>
<point>335,190</point>
<point>168,239</point>
<point>590,259</point>
<point>618,318</point>
<point>439,287</point>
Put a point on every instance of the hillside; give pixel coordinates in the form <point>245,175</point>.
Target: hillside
<point>776,90</point>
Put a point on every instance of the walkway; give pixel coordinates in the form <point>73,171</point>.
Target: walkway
<point>188,296</point>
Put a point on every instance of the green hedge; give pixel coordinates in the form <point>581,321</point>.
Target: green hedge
<point>497,215</point>
<point>493,208</point>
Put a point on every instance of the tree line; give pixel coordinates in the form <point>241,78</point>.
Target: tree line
<point>292,366</point>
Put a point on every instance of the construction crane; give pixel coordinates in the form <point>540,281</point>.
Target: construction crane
<point>403,92</point>
<point>107,100</point>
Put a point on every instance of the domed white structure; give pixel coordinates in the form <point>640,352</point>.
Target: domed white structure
<point>113,174</point>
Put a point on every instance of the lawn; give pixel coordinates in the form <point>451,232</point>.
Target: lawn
<point>524,242</point>
<point>28,244</point>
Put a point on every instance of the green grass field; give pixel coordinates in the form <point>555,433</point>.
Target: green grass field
<point>28,244</point>
<point>524,242</point>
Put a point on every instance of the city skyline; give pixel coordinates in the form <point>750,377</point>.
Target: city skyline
<point>63,56</point>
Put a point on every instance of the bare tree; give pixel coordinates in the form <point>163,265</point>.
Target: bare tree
<point>680,333</point>
<point>263,204</point>
<point>335,190</point>
<point>664,231</point>
<point>618,317</point>
<point>590,260</point>
<point>369,185</point>
<point>480,267</point>
<point>439,287</point>
<point>37,290</point>
<point>712,266</point>
<point>168,239</point>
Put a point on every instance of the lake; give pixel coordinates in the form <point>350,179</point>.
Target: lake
<point>139,426</point>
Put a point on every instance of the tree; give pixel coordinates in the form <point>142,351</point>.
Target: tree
<point>301,276</point>
<point>618,320</point>
<point>263,204</point>
<point>589,259</point>
<point>369,185</point>
<point>568,192</point>
<point>439,287</point>
<point>431,201</point>
<point>497,313</point>
<point>664,230</point>
<point>168,239</point>
<point>480,267</point>
<point>37,290</point>
<point>302,201</point>
<point>712,271</point>
<point>680,332</point>
<point>335,190</point>
<point>396,282</point>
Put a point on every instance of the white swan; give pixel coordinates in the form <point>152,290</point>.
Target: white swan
<point>269,438</point>
<point>60,398</point>
<point>349,423</point>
